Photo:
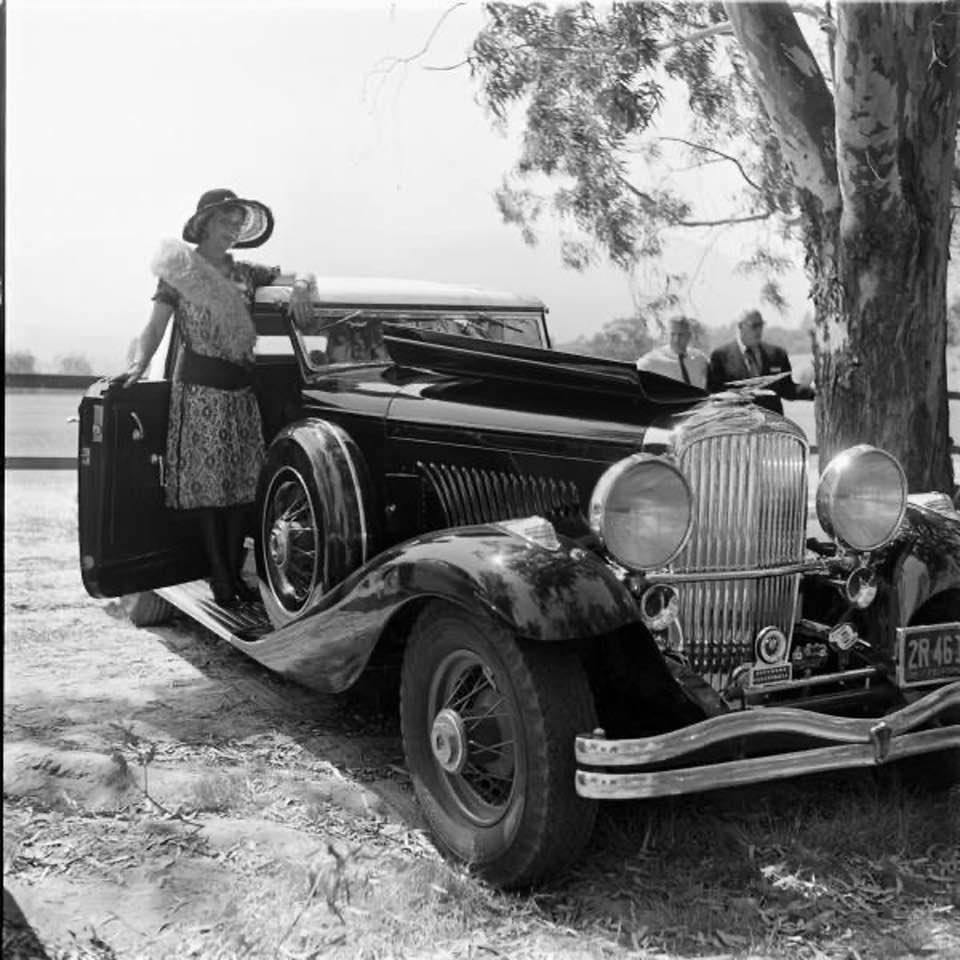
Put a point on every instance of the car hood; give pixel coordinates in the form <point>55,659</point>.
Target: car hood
<point>547,369</point>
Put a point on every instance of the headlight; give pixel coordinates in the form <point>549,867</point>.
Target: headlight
<point>641,510</point>
<point>861,497</point>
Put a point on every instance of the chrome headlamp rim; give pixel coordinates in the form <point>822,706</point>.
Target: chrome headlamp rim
<point>607,482</point>
<point>830,480</point>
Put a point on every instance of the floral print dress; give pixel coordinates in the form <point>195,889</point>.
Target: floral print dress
<point>215,446</point>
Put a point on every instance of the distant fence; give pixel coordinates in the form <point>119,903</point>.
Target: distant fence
<point>955,449</point>
<point>50,381</point>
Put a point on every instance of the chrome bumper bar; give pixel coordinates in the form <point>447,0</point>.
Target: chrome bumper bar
<point>857,743</point>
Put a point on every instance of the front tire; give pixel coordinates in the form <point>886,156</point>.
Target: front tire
<point>314,519</point>
<point>488,725</point>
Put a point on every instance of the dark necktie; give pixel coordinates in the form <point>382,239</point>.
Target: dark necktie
<point>753,364</point>
<point>683,367</point>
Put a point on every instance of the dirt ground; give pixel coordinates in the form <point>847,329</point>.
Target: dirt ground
<point>164,796</point>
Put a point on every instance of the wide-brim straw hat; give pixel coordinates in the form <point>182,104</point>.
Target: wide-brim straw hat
<point>257,224</point>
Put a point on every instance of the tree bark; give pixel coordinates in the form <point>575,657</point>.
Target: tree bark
<point>881,375</point>
<point>873,169</point>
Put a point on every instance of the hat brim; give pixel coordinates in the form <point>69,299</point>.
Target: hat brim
<point>257,224</point>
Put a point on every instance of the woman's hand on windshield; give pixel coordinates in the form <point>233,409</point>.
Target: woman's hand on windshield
<point>134,372</point>
<point>301,303</point>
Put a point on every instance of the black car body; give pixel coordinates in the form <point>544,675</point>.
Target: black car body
<point>596,582</point>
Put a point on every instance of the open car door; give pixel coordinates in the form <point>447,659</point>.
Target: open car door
<point>129,540</point>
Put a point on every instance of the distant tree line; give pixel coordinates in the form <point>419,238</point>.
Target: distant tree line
<point>23,361</point>
<point>626,338</point>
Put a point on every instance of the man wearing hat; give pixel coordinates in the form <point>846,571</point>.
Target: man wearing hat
<point>748,356</point>
<point>215,446</point>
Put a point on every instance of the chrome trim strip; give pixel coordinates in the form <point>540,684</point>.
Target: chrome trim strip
<point>863,673</point>
<point>665,783</point>
<point>600,752</point>
<point>754,573</point>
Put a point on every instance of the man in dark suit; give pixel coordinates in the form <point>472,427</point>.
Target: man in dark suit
<point>748,356</point>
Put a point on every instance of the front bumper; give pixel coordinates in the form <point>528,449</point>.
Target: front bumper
<point>855,743</point>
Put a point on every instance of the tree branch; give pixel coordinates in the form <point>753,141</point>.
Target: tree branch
<point>637,192</point>
<point>650,202</point>
<point>821,15</point>
<point>794,94</point>
<point>452,66</point>
<point>723,29</point>
<point>718,153</point>
<point>727,221</point>
<point>386,64</point>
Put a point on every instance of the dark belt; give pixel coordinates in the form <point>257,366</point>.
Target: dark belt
<point>211,372</point>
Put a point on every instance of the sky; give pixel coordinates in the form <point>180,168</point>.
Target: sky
<point>120,114</point>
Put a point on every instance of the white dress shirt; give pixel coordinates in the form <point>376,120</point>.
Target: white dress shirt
<point>664,361</point>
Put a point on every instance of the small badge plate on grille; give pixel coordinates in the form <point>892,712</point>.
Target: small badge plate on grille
<point>777,673</point>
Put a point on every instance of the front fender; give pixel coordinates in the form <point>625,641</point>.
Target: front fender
<point>922,561</point>
<point>541,594</point>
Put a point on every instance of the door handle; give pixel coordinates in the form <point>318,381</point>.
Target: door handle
<point>157,460</point>
<point>138,432</point>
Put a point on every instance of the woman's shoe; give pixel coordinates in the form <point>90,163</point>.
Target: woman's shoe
<point>246,593</point>
<point>223,593</point>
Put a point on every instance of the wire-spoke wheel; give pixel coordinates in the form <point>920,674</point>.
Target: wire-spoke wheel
<point>488,725</point>
<point>292,538</point>
<point>313,505</point>
<point>473,737</point>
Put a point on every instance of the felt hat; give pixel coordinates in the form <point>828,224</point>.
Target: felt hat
<point>257,224</point>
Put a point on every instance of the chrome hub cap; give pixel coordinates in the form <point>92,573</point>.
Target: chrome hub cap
<point>448,740</point>
<point>279,542</point>
<point>473,738</point>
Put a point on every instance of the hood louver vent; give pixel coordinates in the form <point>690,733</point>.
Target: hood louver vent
<point>468,495</point>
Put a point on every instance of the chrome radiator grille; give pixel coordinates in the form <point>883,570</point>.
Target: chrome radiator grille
<point>750,496</point>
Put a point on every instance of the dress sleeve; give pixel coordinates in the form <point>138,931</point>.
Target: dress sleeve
<point>166,294</point>
<point>261,276</point>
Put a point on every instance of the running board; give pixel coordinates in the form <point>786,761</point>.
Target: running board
<point>242,622</point>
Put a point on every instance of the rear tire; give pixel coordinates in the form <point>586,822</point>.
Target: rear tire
<point>146,609</point>
<point>488,725</point>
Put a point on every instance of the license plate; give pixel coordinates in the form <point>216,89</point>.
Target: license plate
<point>928,654</point>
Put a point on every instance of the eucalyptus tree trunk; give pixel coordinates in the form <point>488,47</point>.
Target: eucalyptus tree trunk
<point>873,163</point>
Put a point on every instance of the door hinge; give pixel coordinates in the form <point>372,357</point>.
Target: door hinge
<point>84,456</point>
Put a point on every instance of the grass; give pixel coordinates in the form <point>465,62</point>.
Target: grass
<point>755,868</point>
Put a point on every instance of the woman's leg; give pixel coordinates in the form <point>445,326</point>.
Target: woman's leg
<point>215,542</point>
<point>239,525</point>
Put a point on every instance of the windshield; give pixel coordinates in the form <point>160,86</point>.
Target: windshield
<point>356,336</point>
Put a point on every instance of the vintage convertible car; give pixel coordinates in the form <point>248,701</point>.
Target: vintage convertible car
<point>592,582</point>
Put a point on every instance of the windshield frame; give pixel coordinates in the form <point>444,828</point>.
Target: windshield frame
<point>332,317</point>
